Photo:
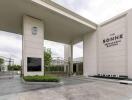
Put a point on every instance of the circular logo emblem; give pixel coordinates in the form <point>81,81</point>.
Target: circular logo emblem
<point>34,30</point>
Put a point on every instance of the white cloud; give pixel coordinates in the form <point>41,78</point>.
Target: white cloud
<point>11,46</point>
<point>96,10</point>
<point>56,48</point>
<point>78,50</point>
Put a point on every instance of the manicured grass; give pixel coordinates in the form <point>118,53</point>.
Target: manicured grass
<point>41,79</point>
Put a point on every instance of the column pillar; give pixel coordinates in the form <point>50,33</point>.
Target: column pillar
<point>68,56</point>
<point>71,59</point>
<point>33,51</point>
<point>77,69</point>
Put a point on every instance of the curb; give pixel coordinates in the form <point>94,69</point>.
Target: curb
<point>99,79</point>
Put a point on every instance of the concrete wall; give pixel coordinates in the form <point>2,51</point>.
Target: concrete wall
<point>112,53</point>
<point>32,44</point>
<point>90,54</point>
<point>105,55</point>
<point>129,43</point>
<point>102,53</point>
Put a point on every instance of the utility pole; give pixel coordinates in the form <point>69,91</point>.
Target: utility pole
<point>10,61</point>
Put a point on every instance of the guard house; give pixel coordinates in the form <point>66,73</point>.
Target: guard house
<point>107,47</point>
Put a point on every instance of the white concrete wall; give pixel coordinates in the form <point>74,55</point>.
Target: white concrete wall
<point>129,43</point>
<point>98,58</point>
<point>112,60</point>
<point>32,44</point>
<point>90,54</point>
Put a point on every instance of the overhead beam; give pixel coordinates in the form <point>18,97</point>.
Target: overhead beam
<point>53,8</point>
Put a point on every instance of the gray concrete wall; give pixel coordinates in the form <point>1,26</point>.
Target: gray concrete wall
<point>90,54</point>
<point>32,44</point>
<point>110,56</point>
<point>129,43</point>
<point>112,53</point>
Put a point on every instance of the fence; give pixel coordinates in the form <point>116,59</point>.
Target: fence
<point>58,67</point>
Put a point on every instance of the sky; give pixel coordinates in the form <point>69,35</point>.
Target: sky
<point>11,47</point>
<point>97,11</point>
<point>57,47</point>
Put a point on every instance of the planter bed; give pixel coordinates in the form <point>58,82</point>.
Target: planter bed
<point>40,79</point>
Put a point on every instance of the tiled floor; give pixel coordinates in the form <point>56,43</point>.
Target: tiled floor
<point>71,89</point>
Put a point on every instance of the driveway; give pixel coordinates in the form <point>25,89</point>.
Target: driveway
<point>70,89</point>
<point>15,85</point>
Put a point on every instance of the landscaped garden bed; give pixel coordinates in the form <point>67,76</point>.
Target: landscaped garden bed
<point>41,79</point>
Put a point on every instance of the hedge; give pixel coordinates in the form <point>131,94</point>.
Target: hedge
<point>55,68</point>
<point>37,78</point>
<point>14,68</point>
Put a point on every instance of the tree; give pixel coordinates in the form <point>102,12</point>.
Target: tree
<point>14,67</point>
<point>47,57</point>
<point>1,63</point>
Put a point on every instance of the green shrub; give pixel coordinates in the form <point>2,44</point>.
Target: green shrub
<point>56,68</point>
<point>41,78</point>
<point>14,68</point>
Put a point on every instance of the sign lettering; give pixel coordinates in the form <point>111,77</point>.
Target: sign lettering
<point>113,40</point>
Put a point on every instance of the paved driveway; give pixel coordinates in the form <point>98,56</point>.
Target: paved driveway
<point>15,85</point>
<point>70,89</point>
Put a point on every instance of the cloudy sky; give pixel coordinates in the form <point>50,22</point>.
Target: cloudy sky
<point>94,10</point>
<point>57,47</point>
<point>11,46</point>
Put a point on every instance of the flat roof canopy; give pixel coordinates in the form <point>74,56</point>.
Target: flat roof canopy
<point>61,25</point>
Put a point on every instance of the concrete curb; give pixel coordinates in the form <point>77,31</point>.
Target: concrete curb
<point>106,80</point>
<point>99,79</point>
<point>126,82</point>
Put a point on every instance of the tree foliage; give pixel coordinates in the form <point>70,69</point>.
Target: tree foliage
<point>14,67</point>
<point>47,57</point>
<point>1,61</point>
